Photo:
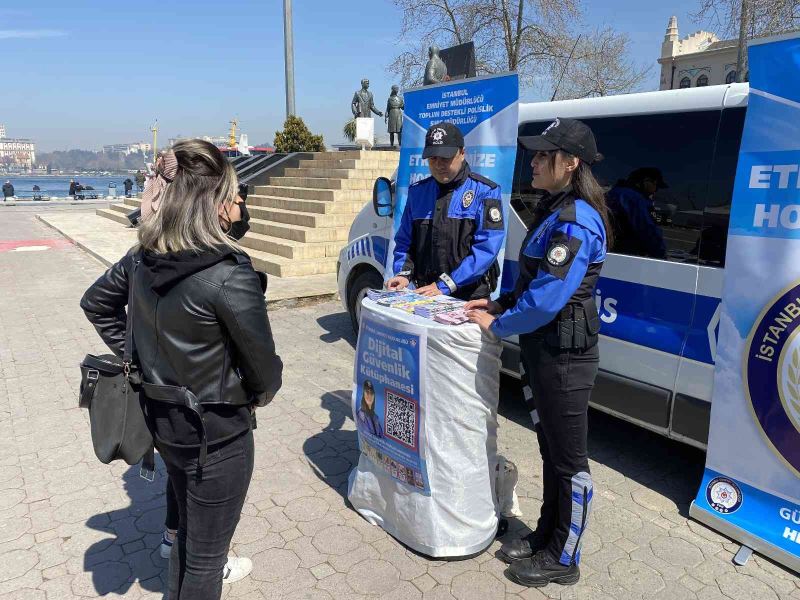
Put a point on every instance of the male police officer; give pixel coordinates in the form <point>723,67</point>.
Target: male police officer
<point>452,225</point>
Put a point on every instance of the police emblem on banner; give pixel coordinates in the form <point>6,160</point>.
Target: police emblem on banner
<point>723,495</point>
<point>467,198</point>
<point>772,374</point>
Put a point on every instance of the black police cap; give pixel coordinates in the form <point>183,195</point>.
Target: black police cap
<point>569,135</point>
<point>444,140</point>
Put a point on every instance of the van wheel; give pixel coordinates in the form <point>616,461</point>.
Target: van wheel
<point>358,290</point>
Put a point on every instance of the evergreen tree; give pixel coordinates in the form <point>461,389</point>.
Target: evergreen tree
<point>296,137</point>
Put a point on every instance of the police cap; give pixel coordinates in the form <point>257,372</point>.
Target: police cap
<point>443,140</point>
<point>569,135</point>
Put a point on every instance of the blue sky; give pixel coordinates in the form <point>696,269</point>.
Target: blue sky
<point>83,73</point>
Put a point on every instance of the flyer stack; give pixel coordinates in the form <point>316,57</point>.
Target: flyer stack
<point>442,309</point>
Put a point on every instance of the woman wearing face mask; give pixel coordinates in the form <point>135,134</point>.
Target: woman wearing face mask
<point>235,221</point>
<point>552,310</point>
<point>204,349</point>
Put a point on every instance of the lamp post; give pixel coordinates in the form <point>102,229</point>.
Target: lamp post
<point>288,46</point>
<point>154,129</point>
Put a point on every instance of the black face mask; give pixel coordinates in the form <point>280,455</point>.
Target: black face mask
<point>239,228</point>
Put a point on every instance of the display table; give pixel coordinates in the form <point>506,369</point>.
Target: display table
<point>425,403</point>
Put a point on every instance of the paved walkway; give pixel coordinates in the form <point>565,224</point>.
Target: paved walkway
<point>71,527</point>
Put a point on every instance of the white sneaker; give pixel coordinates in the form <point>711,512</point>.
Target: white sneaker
<point>166,546</point>
<point>236,569</point>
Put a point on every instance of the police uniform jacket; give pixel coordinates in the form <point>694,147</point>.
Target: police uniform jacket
<point>559,262</point>
<point>451,234</point>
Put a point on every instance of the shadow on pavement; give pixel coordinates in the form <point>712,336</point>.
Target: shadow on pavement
<point>337,327</point>
<point>131,555</point>
<point>667,467</point>
<point>333,452</point>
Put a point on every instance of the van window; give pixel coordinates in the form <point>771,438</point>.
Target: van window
<point>717,211</point>
<point>655,172</point>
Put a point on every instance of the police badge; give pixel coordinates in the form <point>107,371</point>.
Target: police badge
<point>772,374</point>
<point>558,255</point>
<point>467,198</point>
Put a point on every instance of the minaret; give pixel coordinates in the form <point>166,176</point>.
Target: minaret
<point>669,49</point>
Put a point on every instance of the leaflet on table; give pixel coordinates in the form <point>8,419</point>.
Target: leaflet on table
<point>388,403</point>
<point>428,307</point>
<point>454,317</point>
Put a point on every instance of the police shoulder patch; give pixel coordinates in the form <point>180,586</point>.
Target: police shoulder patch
<point>495,215</point>
<point>558,254</point>
<point>467,198</point>
<point>482,179</point>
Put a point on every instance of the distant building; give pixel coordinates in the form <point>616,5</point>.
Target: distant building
<point>127,148</point>
<point>16,153</point>
<point>697,60</point>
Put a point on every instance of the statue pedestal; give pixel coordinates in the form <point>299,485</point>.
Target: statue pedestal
<point>365,132</point>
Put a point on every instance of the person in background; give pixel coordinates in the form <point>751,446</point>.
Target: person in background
<point>37,192</point>
<point>552,310</point>
<point>452,228</point>
<point>200,325</point>
<point>72,187</point>
<point>631,204</point>
<point>128,184</point>
<point>8,191</point>
<point>139,177</point>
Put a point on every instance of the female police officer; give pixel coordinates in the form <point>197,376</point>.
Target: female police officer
<point>552,310</point>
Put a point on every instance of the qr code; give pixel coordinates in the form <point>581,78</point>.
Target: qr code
<point>401,419</point>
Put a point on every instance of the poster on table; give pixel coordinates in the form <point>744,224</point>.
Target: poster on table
<point>751,485</point>
<point>388,400</point>
<point>485,110</point>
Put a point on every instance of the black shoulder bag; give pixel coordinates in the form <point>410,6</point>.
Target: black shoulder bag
<point>110,390</point>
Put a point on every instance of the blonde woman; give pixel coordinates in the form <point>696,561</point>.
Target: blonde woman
<point>199,323</point>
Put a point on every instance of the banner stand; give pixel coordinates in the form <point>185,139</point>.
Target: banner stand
<point>750,490</point>
<point>485,109</point>
<point>748,540</point>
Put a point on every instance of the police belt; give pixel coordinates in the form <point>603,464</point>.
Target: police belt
<point>576,327</point>
<point>180,396</point>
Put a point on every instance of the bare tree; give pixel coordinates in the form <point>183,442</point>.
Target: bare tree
<point>599,66</point>
<point>532,37</point>
<point>747,19</point>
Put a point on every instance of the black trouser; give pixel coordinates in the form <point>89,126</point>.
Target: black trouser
<point>208,509</point>
<point>561,382</point>
<point>172,519</point>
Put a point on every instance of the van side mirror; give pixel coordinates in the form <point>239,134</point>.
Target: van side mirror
<point>382,197</point>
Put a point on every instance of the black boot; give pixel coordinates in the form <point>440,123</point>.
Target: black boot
<point>541,570</point>
<point>520,549</point>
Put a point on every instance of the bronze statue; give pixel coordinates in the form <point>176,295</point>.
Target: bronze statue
<point>394,115</point>
<point>435,69</point>
<point>363,103</point>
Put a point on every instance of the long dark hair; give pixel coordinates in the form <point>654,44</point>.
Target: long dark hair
<point>586,188</point>
<point>368,387</point>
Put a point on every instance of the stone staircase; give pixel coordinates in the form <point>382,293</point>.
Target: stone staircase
<point>300,220</point>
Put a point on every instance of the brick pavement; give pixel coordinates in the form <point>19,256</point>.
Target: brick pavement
<point>71,527</point>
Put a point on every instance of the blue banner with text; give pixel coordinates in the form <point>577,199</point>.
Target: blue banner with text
<point>485,110</point>
<point>751,487</point>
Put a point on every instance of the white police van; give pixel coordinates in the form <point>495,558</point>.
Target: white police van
<point>659,316</point>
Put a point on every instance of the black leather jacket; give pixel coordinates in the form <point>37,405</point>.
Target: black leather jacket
<point>205,327</point>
